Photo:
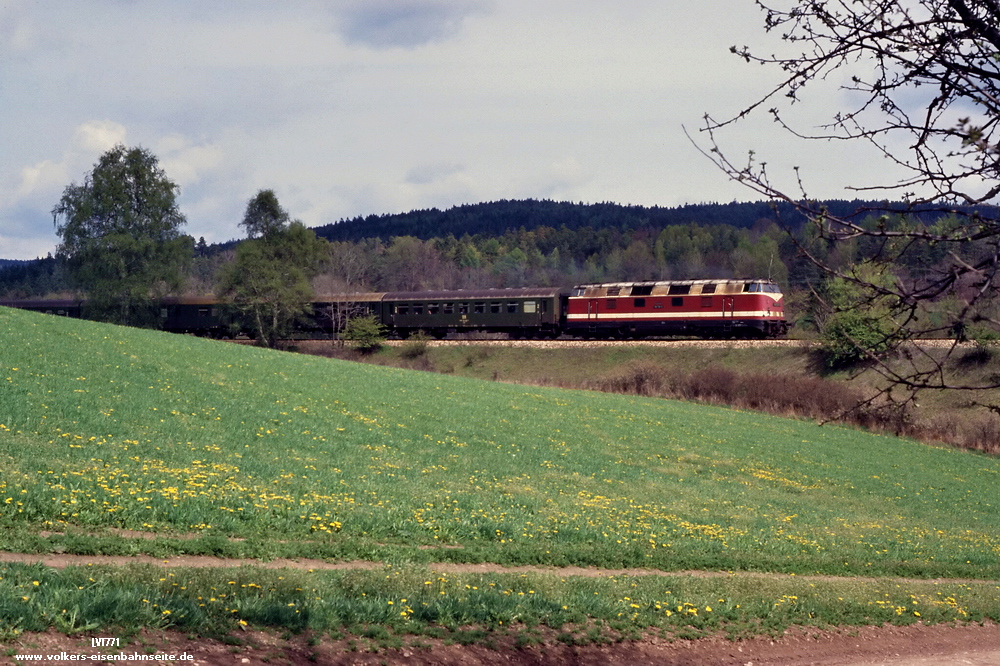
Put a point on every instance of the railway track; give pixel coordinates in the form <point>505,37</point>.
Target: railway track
<point>580,344</point>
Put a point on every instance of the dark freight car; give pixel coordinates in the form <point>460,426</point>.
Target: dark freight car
<point>519,313</point>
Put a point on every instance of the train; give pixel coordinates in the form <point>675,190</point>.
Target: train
<point>709,308</point>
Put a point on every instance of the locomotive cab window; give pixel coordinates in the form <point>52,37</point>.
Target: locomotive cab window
<point>753,287</point>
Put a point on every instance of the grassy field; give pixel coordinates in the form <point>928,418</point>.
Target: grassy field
<point>105,428</point>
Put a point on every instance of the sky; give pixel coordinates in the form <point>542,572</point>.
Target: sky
<point>359,107</point>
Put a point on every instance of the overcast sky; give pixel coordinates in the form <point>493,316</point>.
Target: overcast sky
<point>355,107</point>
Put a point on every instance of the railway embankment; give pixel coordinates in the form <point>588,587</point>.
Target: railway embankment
<point>786,377</point>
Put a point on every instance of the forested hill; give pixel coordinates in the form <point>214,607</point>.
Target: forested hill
<point>498,217</point>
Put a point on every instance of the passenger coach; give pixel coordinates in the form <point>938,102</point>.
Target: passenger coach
<point>519,313</point>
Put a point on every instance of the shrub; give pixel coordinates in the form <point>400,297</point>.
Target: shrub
<point>365,333</point>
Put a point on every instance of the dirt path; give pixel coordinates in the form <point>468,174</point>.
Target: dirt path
<point>914,645</point>
<point>59,561</point>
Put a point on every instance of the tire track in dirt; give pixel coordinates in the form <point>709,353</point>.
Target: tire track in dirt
<point>63,560</point>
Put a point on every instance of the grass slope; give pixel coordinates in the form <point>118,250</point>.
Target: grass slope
<point>105,427</point>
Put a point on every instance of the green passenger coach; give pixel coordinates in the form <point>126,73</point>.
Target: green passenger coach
<point>519,313</point>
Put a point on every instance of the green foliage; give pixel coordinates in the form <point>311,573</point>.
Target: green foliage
<point>264,216</point>
<point>366,333</point>
<point>120,236</point>
<point>269,279</point>
<point>861,327</point>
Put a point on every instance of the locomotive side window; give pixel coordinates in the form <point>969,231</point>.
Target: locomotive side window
<point>614,291</point>
<point>530,307</point>
<point>708,288</point>
<point>677,289</point>
<point>495,308</point>
<point>480,308</point>
<point>612,303</point>
<point>754,287</point>
<point>643,290</point>
<point>511,307</point>
<point>706,301</point>
<point>677,302</point>
<point>639,302</point>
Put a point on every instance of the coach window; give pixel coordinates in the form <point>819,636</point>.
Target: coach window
<point>708,288</point>
<point>418,308</point>
<point>432,308</point>
<point>677,302</point>
<point>402,309</point>
<point>203,312</point>
<point>639,302</point>
<point>511,307</point>
<point>480,308</point>
<point>495,308</point>
<point>530,307</point>
<point>163,313</point>
<point>463,308</point>
<point>449,308</point>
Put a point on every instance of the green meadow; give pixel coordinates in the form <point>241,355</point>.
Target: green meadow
<point>222,449</point>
